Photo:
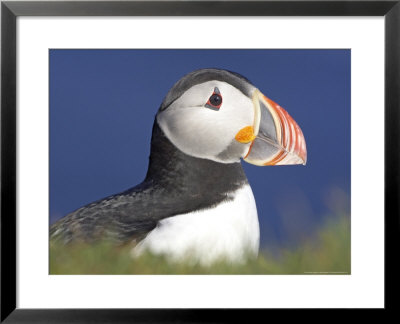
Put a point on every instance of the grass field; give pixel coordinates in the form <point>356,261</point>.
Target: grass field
<point>327,252</point>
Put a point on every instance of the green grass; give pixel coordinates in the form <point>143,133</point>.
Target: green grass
<point>328,252</point>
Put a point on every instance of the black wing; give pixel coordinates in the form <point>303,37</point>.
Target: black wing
<point>118,218</point>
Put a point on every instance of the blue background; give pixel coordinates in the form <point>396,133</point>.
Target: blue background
<point>102,108</point>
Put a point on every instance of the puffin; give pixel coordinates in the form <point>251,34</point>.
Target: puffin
<point>195,201</point>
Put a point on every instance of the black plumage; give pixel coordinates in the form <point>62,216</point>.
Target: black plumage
<point>175,183</point>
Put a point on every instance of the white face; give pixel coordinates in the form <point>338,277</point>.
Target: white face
<point>204,131</point>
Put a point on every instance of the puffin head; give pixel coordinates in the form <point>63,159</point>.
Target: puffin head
<point>221,116</point>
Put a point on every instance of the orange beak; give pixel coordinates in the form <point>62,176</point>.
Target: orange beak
<point>278,139</point>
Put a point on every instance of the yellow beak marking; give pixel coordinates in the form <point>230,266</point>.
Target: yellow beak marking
<point>245,135</point>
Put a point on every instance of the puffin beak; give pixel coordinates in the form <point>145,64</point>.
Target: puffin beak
<point>277,139</point>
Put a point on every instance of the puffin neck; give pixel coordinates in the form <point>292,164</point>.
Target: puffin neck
<point>172,169</point>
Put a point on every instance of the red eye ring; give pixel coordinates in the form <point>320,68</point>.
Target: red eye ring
<point>215,100</point>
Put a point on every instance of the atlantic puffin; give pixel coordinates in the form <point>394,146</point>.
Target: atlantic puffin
<point>195,200</point>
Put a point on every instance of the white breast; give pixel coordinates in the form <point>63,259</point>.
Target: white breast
<point>229,231</point>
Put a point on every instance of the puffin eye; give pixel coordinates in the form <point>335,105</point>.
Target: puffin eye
<point>215,101</point>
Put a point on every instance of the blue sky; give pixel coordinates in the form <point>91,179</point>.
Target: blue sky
<point>102,108</point>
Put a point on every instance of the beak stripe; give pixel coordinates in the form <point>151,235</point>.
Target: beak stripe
<point>292,136</point>
<point>278,158</point>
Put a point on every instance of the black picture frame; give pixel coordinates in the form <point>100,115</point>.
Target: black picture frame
<point>10,10</point>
